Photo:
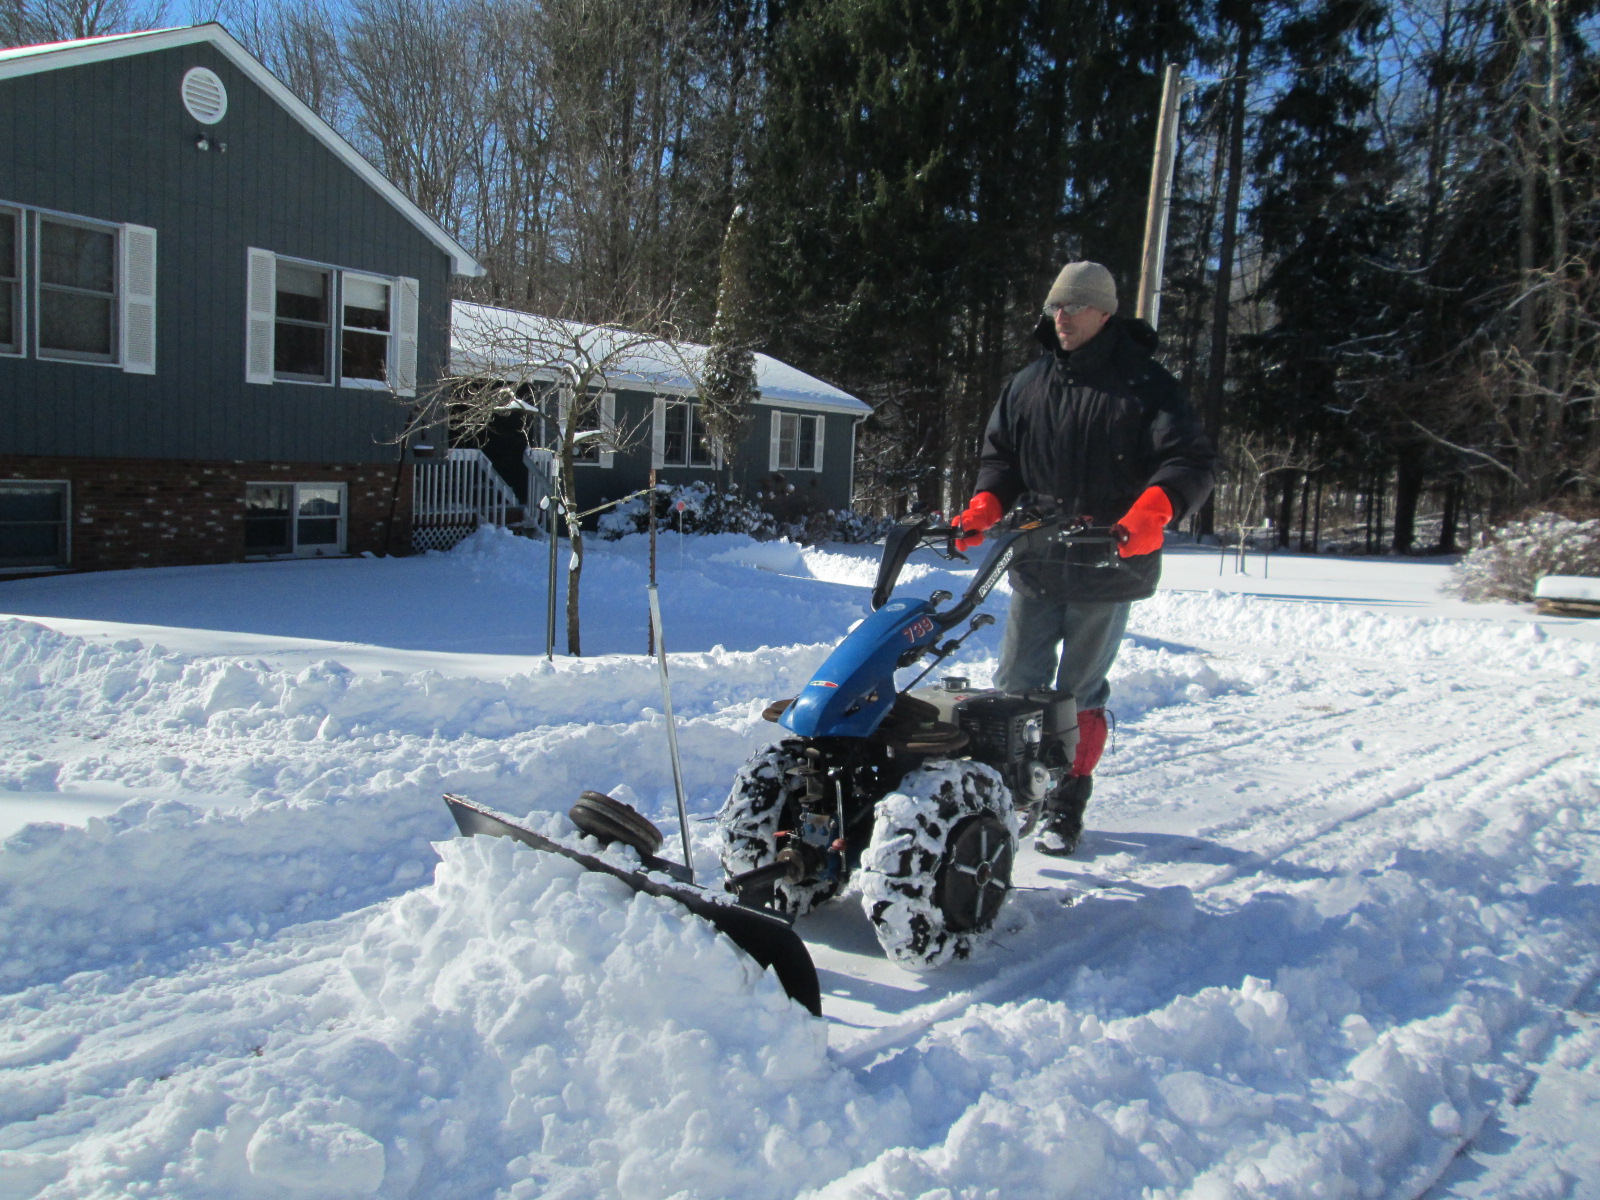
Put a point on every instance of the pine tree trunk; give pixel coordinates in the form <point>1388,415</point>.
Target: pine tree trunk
<point>1221,302</point>
<point>1409,478</point>
<point>1449,521</point>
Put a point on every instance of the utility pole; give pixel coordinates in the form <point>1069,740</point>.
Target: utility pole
<point>1148,307</point>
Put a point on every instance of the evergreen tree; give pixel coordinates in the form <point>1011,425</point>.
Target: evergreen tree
<point>728,388</point>
<point>924,170</point>
<point>1329,235</point>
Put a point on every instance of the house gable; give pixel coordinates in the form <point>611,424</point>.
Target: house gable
<point>24,61</point>
<point>109,139</point>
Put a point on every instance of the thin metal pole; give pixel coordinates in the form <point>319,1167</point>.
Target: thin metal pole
<point>650,641</point>
<point>550,600</point>
<point>672,728</point>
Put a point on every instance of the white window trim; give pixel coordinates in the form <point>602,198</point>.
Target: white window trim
<point>261,315</point>
<point>392,335</point>
<point>21,265</point>
<point>294,486</point>
<point>133,298</point>
<point>606,404</point>
<point>32,260</point>
<point>66,522</point>
<point>774,450</point>
<point>334,315</point>
<point>39,352</point>
<point>658,437</point>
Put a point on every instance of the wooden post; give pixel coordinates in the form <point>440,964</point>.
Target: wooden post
<point>1148,306</point>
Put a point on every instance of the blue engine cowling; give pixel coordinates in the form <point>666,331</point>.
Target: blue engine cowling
<point>854,689</point>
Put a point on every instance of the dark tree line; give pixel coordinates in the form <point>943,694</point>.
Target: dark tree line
<point>1382,274</point>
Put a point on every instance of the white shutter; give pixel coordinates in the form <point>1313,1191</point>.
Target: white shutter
<point>777,438</point>
<point>406,293</point>
<point>658,431</point>
<point>818,430</point>
<point>563,416</point>
<point>608,422</point>
<point>261,304</point>
<point>138,300</point>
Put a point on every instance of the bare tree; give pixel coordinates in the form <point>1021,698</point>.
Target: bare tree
<point>1250,465</point>
<point>413,69</point>
<point>556,373</point>
<point>299,43</point>
<point>25,22</point>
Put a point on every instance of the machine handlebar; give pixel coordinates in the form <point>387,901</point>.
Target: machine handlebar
<point>1020,527</point>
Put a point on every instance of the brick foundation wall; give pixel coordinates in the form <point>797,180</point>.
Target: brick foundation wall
<point>129,512</point>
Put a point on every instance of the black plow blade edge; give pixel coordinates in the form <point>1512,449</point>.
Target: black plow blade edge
<point>763,936</point>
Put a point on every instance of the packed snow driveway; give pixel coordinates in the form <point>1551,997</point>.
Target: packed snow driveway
<point>1337,910</point>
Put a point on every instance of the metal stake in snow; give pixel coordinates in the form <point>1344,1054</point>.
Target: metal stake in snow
<point>672,728</point>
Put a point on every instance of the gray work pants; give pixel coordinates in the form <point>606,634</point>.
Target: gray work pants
<point>1066,644</point>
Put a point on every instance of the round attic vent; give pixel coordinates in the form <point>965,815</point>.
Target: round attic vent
<point>204,96</point>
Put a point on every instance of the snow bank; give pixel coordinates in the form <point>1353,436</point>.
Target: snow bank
<point>1331,628</point>
<point>340,775</point>
<point>517,1028</point>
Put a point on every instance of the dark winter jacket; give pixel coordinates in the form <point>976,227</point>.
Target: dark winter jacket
<point>1086,433</point>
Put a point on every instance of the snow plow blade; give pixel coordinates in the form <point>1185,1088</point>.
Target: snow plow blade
<point>763,936</point>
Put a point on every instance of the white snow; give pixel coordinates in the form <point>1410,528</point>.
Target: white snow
<point>1332,931</point>
<point>1568,587</point>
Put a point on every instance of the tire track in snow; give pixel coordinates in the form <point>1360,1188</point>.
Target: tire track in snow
<point>1465,759</point>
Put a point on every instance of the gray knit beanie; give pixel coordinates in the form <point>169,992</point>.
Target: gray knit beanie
<point>1084,283</point>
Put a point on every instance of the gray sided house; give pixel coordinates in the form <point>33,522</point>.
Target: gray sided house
<point>643,413</point>
<point>213,313</point>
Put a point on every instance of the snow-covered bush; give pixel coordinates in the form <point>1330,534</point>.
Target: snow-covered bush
<point>706,509</point>
<point>773,512</point>
<point>1516,555</point>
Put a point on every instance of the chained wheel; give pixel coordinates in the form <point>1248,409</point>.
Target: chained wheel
<point>764,800</point>
<point>938,869</point>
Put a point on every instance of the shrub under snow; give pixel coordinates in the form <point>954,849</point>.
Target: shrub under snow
<point>1519,554</point>
<point>780,512</point>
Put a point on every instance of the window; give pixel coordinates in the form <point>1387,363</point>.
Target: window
<point>305,519</point>
<point>10,281</point>
<point>300,337</point>
<point>686,442</point>
<point>33,523</point>
<point>678,435</point>
<point>311,323</point>
<point>595,441</point>
<point>365,345</point>
<point>77,290</point>
<point>796,442</point>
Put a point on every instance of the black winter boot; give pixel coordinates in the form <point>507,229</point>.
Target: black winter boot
<point>1062,823</point>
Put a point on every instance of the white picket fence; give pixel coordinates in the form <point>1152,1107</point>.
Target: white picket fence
<point>452,497</point>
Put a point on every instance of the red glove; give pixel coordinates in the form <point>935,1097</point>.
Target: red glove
<point>1139,531</point>
<point>982,512</point>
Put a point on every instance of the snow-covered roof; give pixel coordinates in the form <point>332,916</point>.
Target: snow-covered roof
<point>55,56</point>
<point>485,340</point>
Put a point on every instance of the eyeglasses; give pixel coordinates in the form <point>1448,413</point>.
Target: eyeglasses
<point>1072,310</point>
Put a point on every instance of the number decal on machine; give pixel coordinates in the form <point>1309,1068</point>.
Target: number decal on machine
<point>919,628</point>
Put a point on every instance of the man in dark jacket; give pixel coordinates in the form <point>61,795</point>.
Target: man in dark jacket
<point>1094,427</point>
